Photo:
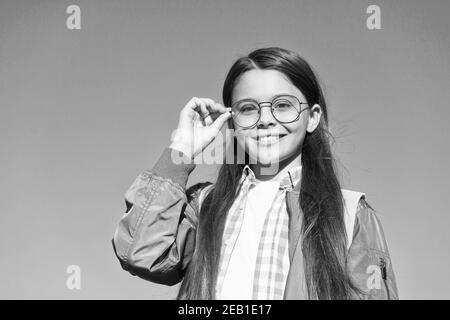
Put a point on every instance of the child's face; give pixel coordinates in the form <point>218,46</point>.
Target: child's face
<point>262,85</point>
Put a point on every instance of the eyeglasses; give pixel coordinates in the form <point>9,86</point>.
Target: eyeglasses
<point>284,108</point>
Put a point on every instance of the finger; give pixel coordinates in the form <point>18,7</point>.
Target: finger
<point>191,105</point>
<point>215,107</point>
<point>194,105</point>
<point>220,121</point>
<point>189,112</point>
<point>201,108</point>
<point>209,102</point>
<point>207,120</point>
<point>209,108</point>
<point>204,108</point>
<point>212,106</point>
<point>195,111</point>
<point>205,114</point>
<point>216,115</point>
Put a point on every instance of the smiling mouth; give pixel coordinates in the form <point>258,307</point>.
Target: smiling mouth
<point>269,139</point>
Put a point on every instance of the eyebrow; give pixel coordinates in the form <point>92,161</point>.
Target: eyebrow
<point>271,98</point>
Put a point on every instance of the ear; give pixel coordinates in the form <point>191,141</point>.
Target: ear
<point>314,118</point>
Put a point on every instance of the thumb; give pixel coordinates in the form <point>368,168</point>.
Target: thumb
<point>220,121</point>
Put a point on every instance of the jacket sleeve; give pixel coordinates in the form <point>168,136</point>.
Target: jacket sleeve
<point>369,261</point>
<point>155,238</point>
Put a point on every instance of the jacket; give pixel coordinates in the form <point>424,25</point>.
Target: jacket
<point>155,238</point>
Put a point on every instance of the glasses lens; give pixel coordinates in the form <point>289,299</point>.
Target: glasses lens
<point>246,113</point>
<point>286,109</point>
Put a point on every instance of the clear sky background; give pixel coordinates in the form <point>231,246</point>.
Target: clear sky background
<point>83,112</point>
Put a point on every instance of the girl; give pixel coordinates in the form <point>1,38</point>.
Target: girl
<point>276,225</point>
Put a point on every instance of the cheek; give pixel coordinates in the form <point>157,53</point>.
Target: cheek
<point>295,138</point>
<point>298,133</point>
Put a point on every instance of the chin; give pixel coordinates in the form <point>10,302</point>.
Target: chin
<point>266,161</point>
<point>265,157</point>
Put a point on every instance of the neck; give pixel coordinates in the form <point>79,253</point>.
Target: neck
<point>283,167</point>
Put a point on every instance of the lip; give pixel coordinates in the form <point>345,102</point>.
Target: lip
<point>269,139</point>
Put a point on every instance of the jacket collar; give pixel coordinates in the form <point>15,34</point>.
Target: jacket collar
<point>289,181</point>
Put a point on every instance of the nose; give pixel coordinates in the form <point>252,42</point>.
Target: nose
<point>266,119</point>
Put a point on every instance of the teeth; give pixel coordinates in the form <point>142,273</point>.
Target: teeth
<point>269,139</point>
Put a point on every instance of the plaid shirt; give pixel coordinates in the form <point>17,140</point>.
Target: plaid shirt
<point>272,260</point>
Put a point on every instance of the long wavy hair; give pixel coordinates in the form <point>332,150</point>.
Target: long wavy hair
<point>323,232</point>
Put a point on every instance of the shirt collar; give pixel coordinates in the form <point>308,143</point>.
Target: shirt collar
<point>289,180</point>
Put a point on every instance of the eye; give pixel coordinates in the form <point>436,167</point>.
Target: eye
<point>247,108</point>
<point>282,105</point>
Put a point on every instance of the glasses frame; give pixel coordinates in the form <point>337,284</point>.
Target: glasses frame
<point>271,109</point>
